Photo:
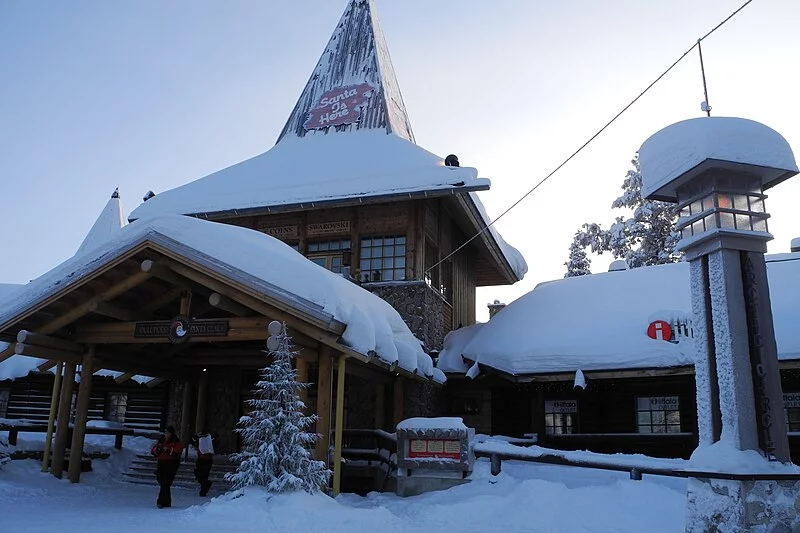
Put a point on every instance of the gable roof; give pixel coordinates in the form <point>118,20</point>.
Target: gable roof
<point>110,220</point>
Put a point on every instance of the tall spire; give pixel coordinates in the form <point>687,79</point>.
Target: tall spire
<point>353,86</point>
<point>111,219</point>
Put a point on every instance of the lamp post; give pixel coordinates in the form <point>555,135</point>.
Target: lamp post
<point>717,170</point>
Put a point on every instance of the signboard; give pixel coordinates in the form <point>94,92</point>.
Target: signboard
<point>434,449</point>
<point>328,228</point>
<point>664,403</point>
<point>791,400</point>
<point>338,106</point>
<point>179,330</point>
<point>659,330</point>
<point>561,406</point>
<point>166,329</point>
<point>282,232</point>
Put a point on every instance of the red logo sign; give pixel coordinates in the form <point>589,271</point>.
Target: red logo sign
<point>339,106</point>
<point>660,331</point>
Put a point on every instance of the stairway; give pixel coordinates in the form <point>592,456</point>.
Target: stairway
<point>143,471</point>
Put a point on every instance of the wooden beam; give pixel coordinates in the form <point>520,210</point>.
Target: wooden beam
<point>162,272</point>
<point>8,352</point>
<point>62,420</point>
<point>301,372</point>
<point>398,399</point>
<point>161,301</point>
<point>239,329</point>
<point>226,304</point>
<point>51,420</point>
<point>202,402</point>
<point>380,406</point>
<point>324,391</point>
<point>186,411</point>
<point>81,416</point>
<point>122,378</point>
<point>46,353</point>
<point>155,382</point>
<point>46,341</point>
<point>186,303</point>
<point>80,310</point>
<point>337,445</point>
<point>113,311</point>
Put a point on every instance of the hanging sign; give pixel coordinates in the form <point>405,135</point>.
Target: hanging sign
<point>328,228</point>
<point>434,449</point>
<point>791,400</point>
<point>659,330</point>
<point>664,403</point>
<point>179,329</point>
<point>561,406</point>
<point>338,106</point>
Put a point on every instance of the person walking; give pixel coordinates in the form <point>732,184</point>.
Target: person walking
<point>204,442</point>
<point>167,452</point>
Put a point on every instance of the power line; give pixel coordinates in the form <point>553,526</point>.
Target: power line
<point>591,139</point>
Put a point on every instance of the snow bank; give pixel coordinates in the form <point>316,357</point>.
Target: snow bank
<point>681,147</point>
<point>723,456</point>
<point>265,263</point>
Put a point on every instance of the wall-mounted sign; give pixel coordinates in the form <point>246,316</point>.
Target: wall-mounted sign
<point>339,106</point>
<point>434,449</point>
<point>659,330</point>
<point>281,232</point>
<point>328,228</point>
<point>561,406</point>
<point>791,400</point>
<point>664,403</point>
<point>167,329</point>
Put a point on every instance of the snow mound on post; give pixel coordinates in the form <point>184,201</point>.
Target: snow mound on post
<point>679,148</point>
<point>442,422</point>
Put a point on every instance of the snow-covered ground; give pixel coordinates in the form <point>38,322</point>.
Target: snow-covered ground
<point>524,497</point>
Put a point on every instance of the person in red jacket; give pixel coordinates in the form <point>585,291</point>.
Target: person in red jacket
<point>167,452</point>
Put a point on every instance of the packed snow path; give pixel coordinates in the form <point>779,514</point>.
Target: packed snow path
<point>525,497</point>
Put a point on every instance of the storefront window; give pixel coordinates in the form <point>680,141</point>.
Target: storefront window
<point>560,417</point>
<point>383,258</point>
<point>328,254</point>
<point>116,406</point>
<point>658,414</point>
<point>791,403</point>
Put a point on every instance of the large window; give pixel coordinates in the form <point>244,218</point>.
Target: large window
<point>383,258</point>
<point>328,254</point>
<point>116,406</point>
<point>4,394</point>
<point>658,414</point>
<point>791,403</point>
<point>560,416</point>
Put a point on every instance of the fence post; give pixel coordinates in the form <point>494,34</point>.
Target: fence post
<point>495,464</point>
<point>636,474</point>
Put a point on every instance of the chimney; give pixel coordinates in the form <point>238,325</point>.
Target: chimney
<point>495,308</point>
<point>618,265</point>
<point>795,246</point>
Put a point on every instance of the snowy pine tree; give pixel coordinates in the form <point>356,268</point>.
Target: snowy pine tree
<point>578,263</point>
<point>277,455</point>
<point>5,454</point>
<point>646,238</point>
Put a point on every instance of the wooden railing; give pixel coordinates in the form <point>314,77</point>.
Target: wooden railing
<point>371,445</point>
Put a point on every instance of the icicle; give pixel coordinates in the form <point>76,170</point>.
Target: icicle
<point>473,371</point>
<point>580,380</point>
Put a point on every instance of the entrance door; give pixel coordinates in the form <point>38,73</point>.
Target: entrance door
<point>511,411</point>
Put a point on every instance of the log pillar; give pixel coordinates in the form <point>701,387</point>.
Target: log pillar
<point>324,391</point>
<point>186,413</point>
<point>301,371</point>
<point>54,397</point>
<point>202,402</point>
<point>81,415</point>
<point>398,401</point>
<point>380,406</point>
<point>62,419</point>
<point>337,446</point>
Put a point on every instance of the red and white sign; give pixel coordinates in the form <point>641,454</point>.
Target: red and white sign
<point>659,330</point>
<point>339,106</point>
<point>434,449</point>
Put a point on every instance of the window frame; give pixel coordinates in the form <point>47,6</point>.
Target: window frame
<point>323,249</point>
<point>663,415</point>
<point>111,409</point>
<point>559,422</point>
<point>367,257</point>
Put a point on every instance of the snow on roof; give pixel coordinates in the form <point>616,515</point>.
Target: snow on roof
<point>515,259</point>
<point>15,366</point>
<point>450,359</point>
<point>442,422</point>
<point>316,169</point>
<point>111,219</point>
<point>599,322</point>
<point>681,147</point>
<point>263,262</point>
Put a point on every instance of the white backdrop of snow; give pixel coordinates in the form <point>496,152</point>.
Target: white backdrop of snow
<point>680,147</point>
<point>372,324</point>
<point>599,322</point>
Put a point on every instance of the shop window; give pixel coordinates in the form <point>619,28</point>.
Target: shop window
<point>328,254</point>
<point>116,406</point>
<point>383,258</point>
<point>560,417</point>
<point>791,404</point>
<point>658,414</point>
<point>4,395</point>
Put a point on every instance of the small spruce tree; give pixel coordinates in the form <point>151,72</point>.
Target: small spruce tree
<point>276,444</point>
<point>578,263</point>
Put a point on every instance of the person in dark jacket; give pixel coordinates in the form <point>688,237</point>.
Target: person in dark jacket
<point>204,443</point>
<point>167,452</point>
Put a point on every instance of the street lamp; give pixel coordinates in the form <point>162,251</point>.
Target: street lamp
<point>716,170</point>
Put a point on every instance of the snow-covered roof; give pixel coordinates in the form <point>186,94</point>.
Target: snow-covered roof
<point>111,219</point>
<point>261,262</point>
<point>685,146</point>
<point>600,321</point>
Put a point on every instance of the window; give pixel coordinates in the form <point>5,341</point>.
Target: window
<point>560,416</point>
<point>383,258</point>
<point>791,403</point>
<point>658,414</point>
<point>328,254</point>
<point>4,394</point>
<point>116,406</point>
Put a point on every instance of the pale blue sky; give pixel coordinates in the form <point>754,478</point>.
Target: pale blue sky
<point>151,94</point>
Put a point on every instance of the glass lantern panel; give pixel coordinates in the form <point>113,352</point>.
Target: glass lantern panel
<point>686,233</point>
<point>726,220</point>
<point>724,201</point>
<point>697,227</point>
<point>756,205</point>
<point>708,202</point>
<point>710,222</point>
<point>743,222</point>
<point>740,202</point>
<point>759,224</point>
<point>696,207</point>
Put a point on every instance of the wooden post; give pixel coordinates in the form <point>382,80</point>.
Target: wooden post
<point>301,371</point>
<point>324,390</point>
<point>202,401</point>
<point>398,400</point>
<point>48,441</point>
<point>81,415</point>
<point>380,406</point>
<point>186,412</point>
<point>337,446</point>
<point>62,426</point>
<point>186,303</point>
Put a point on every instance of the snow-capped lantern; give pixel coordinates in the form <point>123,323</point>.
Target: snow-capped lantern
<point>795,246</point>
<point>717,170</point>
<point>618,265</point>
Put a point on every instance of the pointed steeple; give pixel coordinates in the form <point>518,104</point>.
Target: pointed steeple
<point>353,86</point>
<point>111,219</point>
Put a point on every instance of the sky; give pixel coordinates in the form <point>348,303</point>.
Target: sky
<point>151,95</point>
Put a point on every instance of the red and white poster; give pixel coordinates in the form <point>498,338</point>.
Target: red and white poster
<point>434,449</point>
<point>659,330</point>
<point>339,106</point>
